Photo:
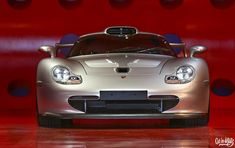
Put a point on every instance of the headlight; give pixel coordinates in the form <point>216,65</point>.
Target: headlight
<point>63,75</point>
<point>185,73</point>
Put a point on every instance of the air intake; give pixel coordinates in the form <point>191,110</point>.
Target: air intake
<point>121,31</point>
<point>122,70</point>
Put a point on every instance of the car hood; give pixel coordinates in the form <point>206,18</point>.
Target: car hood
<point>135,64</point>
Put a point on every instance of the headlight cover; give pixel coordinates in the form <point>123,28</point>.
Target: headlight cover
<point>63,75</point>
<point>183,74</point>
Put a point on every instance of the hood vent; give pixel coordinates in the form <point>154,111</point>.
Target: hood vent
<point>122,70</point>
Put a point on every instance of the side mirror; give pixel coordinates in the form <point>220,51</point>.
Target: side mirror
<point>48,49</point>
<point>197,49</point>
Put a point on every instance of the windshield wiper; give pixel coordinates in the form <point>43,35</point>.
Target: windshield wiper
<point>127,50</point>
<point>146,50</point>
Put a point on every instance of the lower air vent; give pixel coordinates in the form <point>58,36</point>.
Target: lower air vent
<point>118,106</point>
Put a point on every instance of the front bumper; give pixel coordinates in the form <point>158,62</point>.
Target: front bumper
<point>53,99</point>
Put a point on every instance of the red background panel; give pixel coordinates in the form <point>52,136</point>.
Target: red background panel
<point>22,31</point>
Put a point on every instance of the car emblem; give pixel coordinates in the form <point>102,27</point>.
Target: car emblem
<point>123,77</point>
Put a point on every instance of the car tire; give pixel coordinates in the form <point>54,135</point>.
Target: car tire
<point>54,122</point>
<point>190,122</point>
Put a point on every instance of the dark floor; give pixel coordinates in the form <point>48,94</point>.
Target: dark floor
<point>22,131</point>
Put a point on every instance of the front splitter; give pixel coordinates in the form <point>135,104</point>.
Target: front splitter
<point>129,116</point>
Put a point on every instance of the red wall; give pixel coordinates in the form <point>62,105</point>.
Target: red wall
<point>23,30</point>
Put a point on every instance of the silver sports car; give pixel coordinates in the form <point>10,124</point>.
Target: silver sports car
<point>123,73</point>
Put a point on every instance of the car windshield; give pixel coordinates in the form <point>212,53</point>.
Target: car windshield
<point>139,43</point>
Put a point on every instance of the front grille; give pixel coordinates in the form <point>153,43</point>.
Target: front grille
<point>124,106</point>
